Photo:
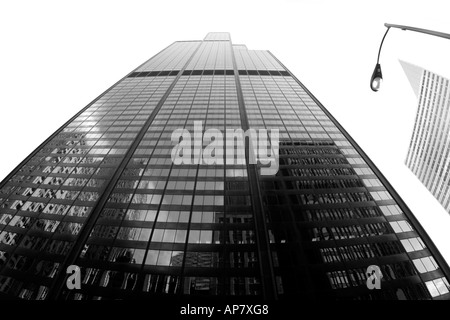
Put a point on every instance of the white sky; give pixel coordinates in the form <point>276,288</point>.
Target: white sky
<point>57,56</point>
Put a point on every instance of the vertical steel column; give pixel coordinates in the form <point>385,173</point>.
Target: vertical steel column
<point>262,238</point>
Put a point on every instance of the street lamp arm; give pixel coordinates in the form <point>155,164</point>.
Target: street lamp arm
<point>430,32</point>
<point>381,44</point>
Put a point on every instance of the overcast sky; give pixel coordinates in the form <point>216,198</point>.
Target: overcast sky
<point>57,56</point>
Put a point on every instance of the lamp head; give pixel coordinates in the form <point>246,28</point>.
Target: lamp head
<point>376,79</point>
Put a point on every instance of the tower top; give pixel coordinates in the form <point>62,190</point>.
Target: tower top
<point>218,36</point>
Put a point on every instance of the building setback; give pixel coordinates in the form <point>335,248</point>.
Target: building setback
<point>428,154</point>
<point>102,193</point>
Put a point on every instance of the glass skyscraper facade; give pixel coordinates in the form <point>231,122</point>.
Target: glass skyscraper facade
<point>103,193</point>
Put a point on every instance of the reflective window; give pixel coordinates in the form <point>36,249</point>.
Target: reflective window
<point>426,264</point>
<point>438,287</point>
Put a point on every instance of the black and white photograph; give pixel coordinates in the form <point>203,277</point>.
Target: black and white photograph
<point>220,159</point>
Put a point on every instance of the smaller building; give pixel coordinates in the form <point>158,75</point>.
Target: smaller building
<point>429,149</point>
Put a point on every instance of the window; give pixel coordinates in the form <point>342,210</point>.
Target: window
<point>401,226</point>
<point>413,244</point>
<point>390,210</point>
<point>426,264</point>
<point>438,287</point>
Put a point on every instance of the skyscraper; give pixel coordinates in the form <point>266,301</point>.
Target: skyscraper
<point>428,154</point>
<point>103,193</point>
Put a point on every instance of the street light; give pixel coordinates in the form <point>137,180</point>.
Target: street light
<point>377,77</point>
